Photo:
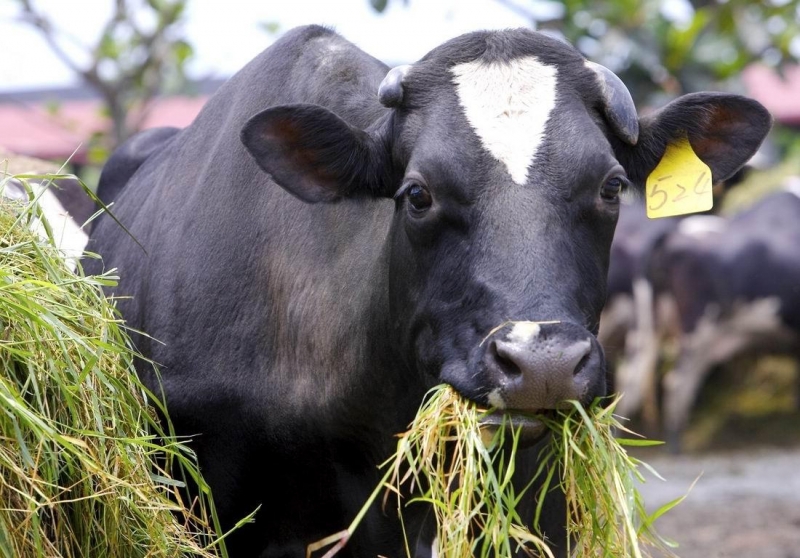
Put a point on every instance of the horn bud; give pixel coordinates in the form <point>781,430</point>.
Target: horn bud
<point>390,92</point>
<point>617,104</point>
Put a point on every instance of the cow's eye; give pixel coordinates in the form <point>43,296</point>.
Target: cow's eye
<point>612,188</point>
<point>419,198</point>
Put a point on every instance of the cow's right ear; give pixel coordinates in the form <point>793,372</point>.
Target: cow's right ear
<point>724,130</point>
<point>316,155</point>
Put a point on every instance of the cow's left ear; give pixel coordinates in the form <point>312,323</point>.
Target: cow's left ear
<point>316,155</point>
<point>724,131</point>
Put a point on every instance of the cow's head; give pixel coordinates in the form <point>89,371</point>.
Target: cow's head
<point>506,154</point>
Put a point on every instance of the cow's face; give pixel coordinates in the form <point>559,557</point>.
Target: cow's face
<point>505,153</point>
<point>503,223</point>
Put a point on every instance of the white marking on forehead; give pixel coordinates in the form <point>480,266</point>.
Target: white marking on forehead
<point>524,332</point>
<point>508,105</point>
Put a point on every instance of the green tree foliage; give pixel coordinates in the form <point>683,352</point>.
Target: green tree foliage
<point>663,48</point>
<point>668,48</point>
<point>139,54</point>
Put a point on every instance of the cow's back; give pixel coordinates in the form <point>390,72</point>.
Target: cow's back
<point>126,160</point>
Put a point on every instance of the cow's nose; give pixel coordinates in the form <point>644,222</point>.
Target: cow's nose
<point>538,366</point>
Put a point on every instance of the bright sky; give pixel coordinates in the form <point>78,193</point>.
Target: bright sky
<point>226,34</point>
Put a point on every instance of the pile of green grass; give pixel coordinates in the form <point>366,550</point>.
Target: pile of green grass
<point>475,503</point>
<point>86,467</point>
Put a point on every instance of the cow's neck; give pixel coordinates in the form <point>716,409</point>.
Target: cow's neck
<point>333,336</point>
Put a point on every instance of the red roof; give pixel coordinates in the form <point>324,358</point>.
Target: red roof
<point>780,95</point>
<point>33,130</point>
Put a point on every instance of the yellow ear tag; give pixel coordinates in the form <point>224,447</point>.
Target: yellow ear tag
<point>680,183</point>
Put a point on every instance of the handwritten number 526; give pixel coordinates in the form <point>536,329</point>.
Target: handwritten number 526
<point>660,197</point>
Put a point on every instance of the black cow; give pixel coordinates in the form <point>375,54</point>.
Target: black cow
<point>736,289</point>
<point>329,239</point>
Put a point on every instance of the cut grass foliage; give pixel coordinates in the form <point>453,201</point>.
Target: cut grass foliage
<point>475,503</point>
<point>86,467</point>
<point>606,513</point>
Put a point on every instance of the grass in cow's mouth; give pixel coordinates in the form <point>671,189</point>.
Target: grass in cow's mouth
<point>85,467</point>
<point>606,511</point>
<point>471,493</point>
<point>475,503</point>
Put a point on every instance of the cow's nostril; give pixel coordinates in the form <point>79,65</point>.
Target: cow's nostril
<point>506,365</point>
<point>581,364</point>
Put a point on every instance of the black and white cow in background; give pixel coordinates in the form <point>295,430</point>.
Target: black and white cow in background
<point>631,324</point>
<point>331,238</point>
<point>636,324</point>
<point>735,286</point>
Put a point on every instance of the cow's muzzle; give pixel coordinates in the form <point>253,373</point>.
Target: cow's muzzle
<point>535,367</point>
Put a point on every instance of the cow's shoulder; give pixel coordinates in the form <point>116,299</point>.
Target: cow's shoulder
<point>303,34</point>
<point>307,48</point>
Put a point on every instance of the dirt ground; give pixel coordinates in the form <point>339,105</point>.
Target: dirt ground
<point>745,503</point>
<point>743,448</point>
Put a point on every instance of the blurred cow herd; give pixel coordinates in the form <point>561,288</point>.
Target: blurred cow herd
<point>685,295</point>
<point>688,294</point>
